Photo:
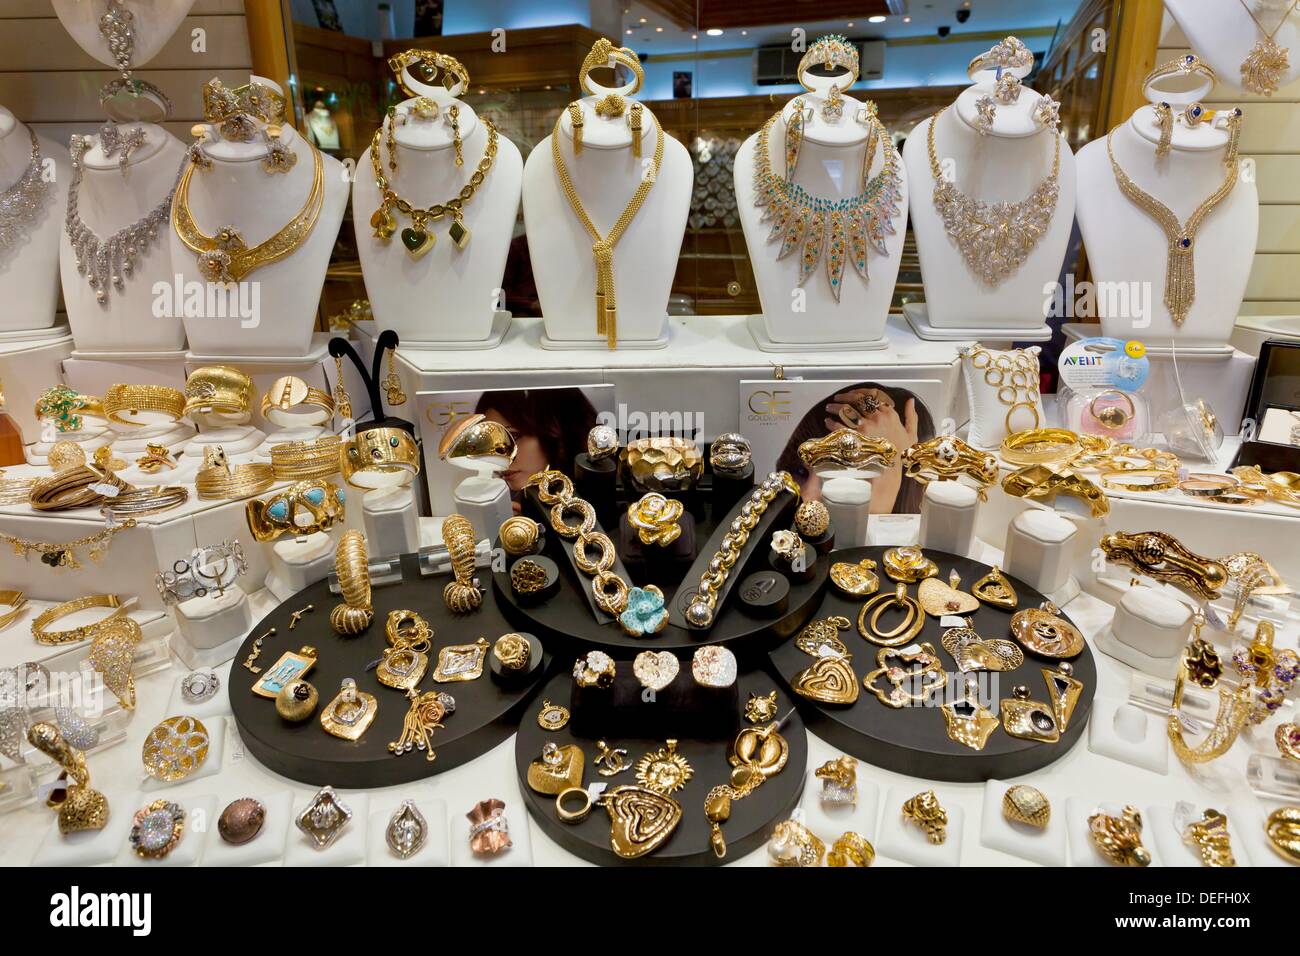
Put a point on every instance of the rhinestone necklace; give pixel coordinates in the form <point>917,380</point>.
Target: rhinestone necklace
<point>994,238</point>
<point>829,228</point>
<point>23,202</point>
<point>1264,66</point>
<point>110,262</point>
<point>1180,272</point>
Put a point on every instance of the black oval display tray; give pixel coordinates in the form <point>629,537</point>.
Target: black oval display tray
<point>914,740</point>
<point>486,712</point>
<point>752,818</point>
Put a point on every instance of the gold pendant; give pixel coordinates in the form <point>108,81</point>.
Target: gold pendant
<point>995,589</point>
<point>393,386</point>
<point>401,668</point>
<point>857,580</point>
<point>1029,719</point>
<point>969,722</point>
<point>664,770</point>
<point>288,668</point>
<point>975,653</point>
<point>821,638</point>
<point>458,234</point>
<point>939,599</point>
<point>350,713</point>
<point>830,680</point>
<point>461,662</point>
<point>1041,631</point>
<point>417,241</point>
<point>1264,67</point>
<point>425,715</point>
<point>383,224</point>
<point>1064,691</point>
<point>559,768</point>
<point>640,820</point>
<point>914,676</point>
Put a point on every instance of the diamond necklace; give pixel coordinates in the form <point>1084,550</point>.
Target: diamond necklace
<point>994,238</point>
<point>23,202</point>
<point>110,262</point>
<point>815,224</point>
<point>1264,66</point>
<point>1180,272</point>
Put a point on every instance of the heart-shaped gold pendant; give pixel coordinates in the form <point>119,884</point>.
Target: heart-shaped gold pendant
<point>640,820</point>
<point>830,680</point>
<point>939,599</point>
<point>417,241</point>
<point>995,589</point>
<point>558,769</point>
<point>975,653</point>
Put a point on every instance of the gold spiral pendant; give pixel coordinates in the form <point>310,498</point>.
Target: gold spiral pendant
<point>1264,66</point>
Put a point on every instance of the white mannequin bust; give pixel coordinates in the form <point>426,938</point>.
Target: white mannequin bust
<point>322,128</point>
<point>1223,34</point>
<point>237,191</point>
<point>449,294</point>
<point>606,175</point>
<point>29,269</point>
<point>110,200</point>
<point>154,22</point>
<point>1003,166</point>
<point>829,167</point>
<point>1126,245</point>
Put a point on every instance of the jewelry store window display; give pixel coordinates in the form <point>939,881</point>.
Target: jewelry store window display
<point>439,187</point>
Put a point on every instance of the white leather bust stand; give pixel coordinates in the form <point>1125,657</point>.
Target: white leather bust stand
<point>238,192</point>
<point>645,259</point>
<point>1125,245</point>
<point>448,297</point>
<point>153,23</point>
<point>1003,166</point>
<point>1223,34</point>
<point>29,271</point>
<point>830,163</point>
<point>107,202</point>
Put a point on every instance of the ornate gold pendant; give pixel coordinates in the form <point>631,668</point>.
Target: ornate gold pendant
<point>350,714</point>
<point>558,769</point>
<point>912,675</point>
<point>1029,719</point>
<point>830,680</point>
<point>1264,67</point>
<point>640,820</point>
<point>821,638</point>
<point>1064,691</point>
<point>857,580</point>
<point>975,653</point>
<point>383,224</point>
<point>995,589</point>
<point>969,722</point>
<point>939,599</point>
<point>664,770</point>
<point>461,662</point>
<point>401,668</point>
<point>1041,631</point>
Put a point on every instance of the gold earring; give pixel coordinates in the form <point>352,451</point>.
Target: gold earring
<point>1164,114</point>
<point>391,141</point>
<point>453,112</point>
<point>793,138</point>
<point>392,384</point>
<point>575,117</point>
<point>342,404</point>
<point>634,124</point>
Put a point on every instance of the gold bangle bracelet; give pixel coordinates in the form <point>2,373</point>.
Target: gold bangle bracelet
<point>123,404</point>
<point>431,62</point>
<point>1160,480</point>
<point>75,634</point>
<point>380,458</point>
<point>352,565</point>
<point>1207,486</point>
<point>144,501</point>
<point>290,401</point>
<point>14,600</point>
<point>73,488</point>
<point>1044,482</point>
<point>219,390</point>
<point>1163,557</point>
<point>301,460</point>
<point>1234,708</point>
<point>461,593</point>
<point>604,53</point>
<point>217,483</point>
<point>1041,446</point>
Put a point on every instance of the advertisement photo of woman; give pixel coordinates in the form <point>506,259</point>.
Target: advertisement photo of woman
<point>549,427</point>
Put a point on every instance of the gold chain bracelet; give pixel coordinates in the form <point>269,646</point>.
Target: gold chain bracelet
<point>75,634</point>
<point>62,555</point>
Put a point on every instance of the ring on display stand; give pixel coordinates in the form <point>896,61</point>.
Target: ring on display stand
<point>1006,56</point>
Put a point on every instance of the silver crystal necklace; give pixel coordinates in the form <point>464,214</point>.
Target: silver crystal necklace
<point>111,261</point>
<point>24,202</point>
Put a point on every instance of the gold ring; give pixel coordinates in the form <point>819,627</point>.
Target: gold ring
<point>596,669</point>
<point>664,464</point>
<point>908,564</point>
<point>1283,831</point>
<point>519,535</point>
<point>527,577</point>
<point>927,813</point>
<point>1009,55</point>
<point>1210,836</point>
<point>811,519</point>
<point>568,814</point>
<point>793,844</point>
<point>512,651</point>
<point>851,849</point>
<point>655,519</point>
<point>1120,838</point>
<point>479,439</point>
<point>1025,804</point>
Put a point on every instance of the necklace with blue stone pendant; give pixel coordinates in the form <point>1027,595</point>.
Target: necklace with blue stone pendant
<point>417,238</point>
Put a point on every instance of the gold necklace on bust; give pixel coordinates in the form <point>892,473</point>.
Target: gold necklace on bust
<point>225,257</point>
<point>1262,70</point>
<point>416,237</point>
<point>994,238</point>
<point>1180,272</point>
<point>602,247</point>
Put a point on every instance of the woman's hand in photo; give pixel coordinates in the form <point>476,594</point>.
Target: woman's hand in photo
<point>882,422</point>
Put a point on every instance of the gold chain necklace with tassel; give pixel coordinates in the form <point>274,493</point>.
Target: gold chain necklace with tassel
<point>1180,274</point>
<point>602,247</point>
<point>1262,70</point>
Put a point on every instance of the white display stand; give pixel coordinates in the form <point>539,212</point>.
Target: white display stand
<point>436,850</point>
<point>212,764</point>
<point>829,821</point>
<point>449,297</point>
<point>1083,852</point>
<point>1122,731</point>
<point>211,628</point>
<point>992,419</point>
<point>1149,631</point>
<point>131,320</point>
<point>238,192</point>
<point>901,839</point>
<point>235,439</point>
<point>299,562</point>
<point>520,853</point>
<point>645,260</point>
<point>1246,820</point>
<point>918,317</point>
<point>829,167</point>
<point>948,510</point>
<point>485,501</point>
<point>347,850</point>
<point>1164,833</point>
<point>89,847</point>
<point>1046,845</point>
<point>189,851</point>
<point>1039,551</point>
<point>29,271</point>
<point>1223,34</point>
<point>1127,247</point>
<point>302,433</point>
<point>29,365</point>
<point>90,439</point>
<point>130,443</point>
<point>269,844</point>
<point>848,500</point>
<point>392,520</point>
<point>1000,167</point>
<point>153,24</point>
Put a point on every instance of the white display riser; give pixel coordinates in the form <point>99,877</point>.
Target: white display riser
<point>135,556</point>
<point>27,368</point>
<point>1222,380</point>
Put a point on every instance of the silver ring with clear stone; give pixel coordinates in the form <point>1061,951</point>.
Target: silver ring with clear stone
<point>199,686</point>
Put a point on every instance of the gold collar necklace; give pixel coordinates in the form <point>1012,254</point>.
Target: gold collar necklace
<point>602,247</point>
<point>1180,273</point>
<point>225,257</point>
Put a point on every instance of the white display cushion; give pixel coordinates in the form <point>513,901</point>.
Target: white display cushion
<point>347,850</point>
<point>902,840</point>
<point>829,821</point>
<point>1159,820</point>
<point>217,734</point>
<point>436,850</point>
<point>988,414</point>
<point>1083,851</point>
<point>520,853</point>
<point>212,621</point>
<point>200,814</point>
<point>1127,733</point>
<point>1246,820</point>
<point>1046,846</point>
<point>391,519</point>
<point>269,844</point>
<point>1148,632</point>
<point>89,847</point>
<point>948,517</point>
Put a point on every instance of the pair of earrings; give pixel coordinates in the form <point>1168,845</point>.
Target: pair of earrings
<point>1047,112</point>
<point>113,141</point>
<point>1192,116</point>
<point>801,114</point>
<point>610,106</point>
<point>279,158</point>
<point>422,107</point>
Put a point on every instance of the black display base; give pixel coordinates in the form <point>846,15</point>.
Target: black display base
<point>752,819</point>
<point>808,566</point>
<point>764,594</point>
<point>626,709</point>
<point>726,490</point>
<point>597,483</point>
<point>486,712</point>
<point>825,544</point>
<point>526,675</point>
<point>914,740</point>
<point>652,563</point>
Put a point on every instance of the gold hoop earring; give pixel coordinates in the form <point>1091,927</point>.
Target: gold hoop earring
<point>453,113</point>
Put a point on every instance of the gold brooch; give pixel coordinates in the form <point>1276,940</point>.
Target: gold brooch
<point>1043,631</point>
<point>664,770</point>
<point>912,675</point>
<point>939,599</point>
<point>908,564</point>
<point>975,653</point>
<point>611,760</point>
<point>969,722</point>
<point>821,638</point>
<point>830,680</point>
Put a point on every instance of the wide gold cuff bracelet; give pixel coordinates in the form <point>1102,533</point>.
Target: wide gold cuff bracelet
<point>219,391</point>
<point>300,460</point>
<point>74,635</point>
<point>380,458</point>
<point>219,479</point>
<point>946,457</point>
<point>143,404</point>
<point>478,439</point>
<point>1044,482</point>
<point>303,508</point>
<point>290,402</point>
<point>847,448</point>
<point>1163,557</point>
<point>1041,446</point>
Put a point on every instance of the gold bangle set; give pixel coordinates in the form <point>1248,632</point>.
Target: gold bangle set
<point>73,488</point>
<point>304,460</point>
<point>144,501</point>
<point>555,488</point>
<point>218,479</point>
